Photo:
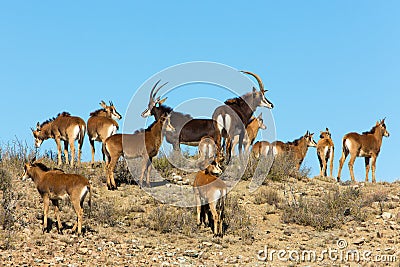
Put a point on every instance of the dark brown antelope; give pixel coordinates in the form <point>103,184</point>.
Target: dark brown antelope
<point>256,123</point>
<point>188,131</point>
<point>143,143</point>
<point>102,124</point>
<point>298,148</point>
<point>64,127</point>
<point>55,185</point>
<point>325,152</point>
<point>210,192</point>
<point>234,116</point>
<point>367,145</point>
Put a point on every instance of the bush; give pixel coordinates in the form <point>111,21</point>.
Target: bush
<point>237,221</point>
<point>267,195</point>
<point>8,206</point>
<point>331,210</point>
<point>284,167</point>
<point>167,219</point>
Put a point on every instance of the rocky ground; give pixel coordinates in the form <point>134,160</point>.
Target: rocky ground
<point>127,227</point>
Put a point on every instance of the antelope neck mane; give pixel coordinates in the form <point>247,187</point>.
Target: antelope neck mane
<point>96,112</point>
<point>167,109</point>
<point>240,99</point>
<point>372,131</point>
<point>65,114</point>
<point>295,142</point>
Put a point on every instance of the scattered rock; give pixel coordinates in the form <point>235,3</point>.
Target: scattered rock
<point>191,253</point>
<point>359,241</point>
<point>387,215</point>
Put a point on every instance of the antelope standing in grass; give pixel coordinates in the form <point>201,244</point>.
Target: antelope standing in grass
<point>102,124</point>
<point>188,131</point>
<point>325,152</point>
<point>210,192</point>
<point>298,148</point>
<point>256,123</point>
<point>64,127</point>
<point>55,185</point>
<point>234,116</point>
<point>143,143</point>
<point>367,145</point>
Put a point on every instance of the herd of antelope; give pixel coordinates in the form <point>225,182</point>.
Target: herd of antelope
<point>233,123</point>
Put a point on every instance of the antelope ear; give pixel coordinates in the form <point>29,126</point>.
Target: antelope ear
<point>103,104</point>
<point>38,126</point>
<point>162,101</point>
<point>327,129</point>
<point>32,160</point>
<point>254,89</point>
<point>377,123</point>
<point>260,116</point>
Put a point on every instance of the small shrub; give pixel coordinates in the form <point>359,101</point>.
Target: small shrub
<point>284,167</point>
<point>331,210</point>
<point>237,221</point>
<point>167,219</point>
<point>267,195</point>
<point>8,206</point>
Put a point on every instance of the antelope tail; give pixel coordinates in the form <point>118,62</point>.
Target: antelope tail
<point>90,199</point>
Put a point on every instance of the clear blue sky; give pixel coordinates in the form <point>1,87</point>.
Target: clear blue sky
<point>329,64</point>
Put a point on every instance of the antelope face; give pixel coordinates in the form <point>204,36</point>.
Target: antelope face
<point>26,169</point>
<point>310,140</point>
<point>214,168</point>
<point>261,124</point>
<point>114,113</point>
<point>264,102</point>
<point>385,132</point>
<point>36,135</point>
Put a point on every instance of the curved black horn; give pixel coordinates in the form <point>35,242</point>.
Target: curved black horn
<point>154,87</point>
<point>260,83</point>
<point>158,89</point>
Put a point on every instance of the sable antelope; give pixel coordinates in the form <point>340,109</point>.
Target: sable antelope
<point>188,131</point>
<point>102,124</point>
<point>235,115</point>
<point>210,191</point>
<point>298,147</point>
<point>143,143</point>
<point>367,145</point>
<point>325,152</point>
<point>64,127</point>
<point>261,149</point>
<point>54,185</point>
<point>252,128</point>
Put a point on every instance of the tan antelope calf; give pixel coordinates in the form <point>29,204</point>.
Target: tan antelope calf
<point>208,151</point>
<point>101,125</point>
<point>325,152</point>
<point>144,144</point>
<point>210,191</point>
<point>298,147</point>
<point>64,127</point>
<point>367,145</point>
<point>261,149</point>
<point>256,123</point>
<point>54,185</point>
